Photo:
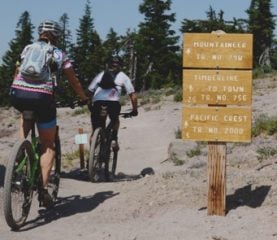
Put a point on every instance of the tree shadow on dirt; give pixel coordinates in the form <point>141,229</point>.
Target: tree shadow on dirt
<point>76,174</point>
<point>2,175</point>
<point>66,207</point>
<point>245,196</point>
<point>82,175</point>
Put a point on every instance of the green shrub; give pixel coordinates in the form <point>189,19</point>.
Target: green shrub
<point>178,133</point>
<point>80,110</point>
<point>262,72</point>
<point>266,152</point>
<point>176,160</point>
<point>265,124</point>
<point>194,152</point>
<point>178,97</point>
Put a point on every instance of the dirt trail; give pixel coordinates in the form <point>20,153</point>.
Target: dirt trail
<point>169,205</point>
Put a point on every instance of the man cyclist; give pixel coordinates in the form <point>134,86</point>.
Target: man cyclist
<point>39,97</point>
<point>108,98</point>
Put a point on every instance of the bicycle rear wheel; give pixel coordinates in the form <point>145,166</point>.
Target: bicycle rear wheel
<point>54,178</point>
<point>95,163</point>
<point>18,189</point>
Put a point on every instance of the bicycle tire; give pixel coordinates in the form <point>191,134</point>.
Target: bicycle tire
<point>16,187</point>
<point>110,163</point>
<point>114,163</point>
<point>54,177</point>
<point>94,163</point>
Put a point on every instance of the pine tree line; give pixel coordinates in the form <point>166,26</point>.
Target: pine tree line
<point>151,54</point>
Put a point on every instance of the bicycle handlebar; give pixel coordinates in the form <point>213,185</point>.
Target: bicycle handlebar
<point>79,103</point>
<point>126,115</point>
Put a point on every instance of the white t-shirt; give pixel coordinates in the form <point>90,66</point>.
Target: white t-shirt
<point>121,80</point>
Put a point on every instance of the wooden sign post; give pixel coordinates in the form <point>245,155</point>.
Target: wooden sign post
<point>217,178</point>
<point>81,139</point>
<point>81,151</point>
<point>217,73</point>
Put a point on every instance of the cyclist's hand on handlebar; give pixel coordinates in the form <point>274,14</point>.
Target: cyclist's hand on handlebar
<point>126,115</point>
<point>134,113</point>
<point>90,104</point>
<point>129,114</point>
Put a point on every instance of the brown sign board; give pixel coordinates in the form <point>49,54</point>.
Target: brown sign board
<point>217,124</point>
<point>209,50</point>
<point>217,87</point>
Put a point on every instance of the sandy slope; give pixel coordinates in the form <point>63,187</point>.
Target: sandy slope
<point>169,205</point>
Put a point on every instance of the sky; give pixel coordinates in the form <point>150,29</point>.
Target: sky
<point>120,15</point>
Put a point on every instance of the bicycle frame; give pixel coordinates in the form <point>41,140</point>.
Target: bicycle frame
<point>34,181</point>
<point>35,167</point>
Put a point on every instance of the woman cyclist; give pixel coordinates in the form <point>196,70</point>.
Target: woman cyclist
<point>38,97</point>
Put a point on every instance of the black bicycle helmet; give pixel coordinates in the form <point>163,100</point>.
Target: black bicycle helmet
<point>115,62</point>
<point>50,26</point>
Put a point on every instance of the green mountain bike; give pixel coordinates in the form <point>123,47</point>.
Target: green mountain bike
<point>23,176</point>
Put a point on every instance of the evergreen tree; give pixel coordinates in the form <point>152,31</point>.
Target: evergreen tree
<point>87,52</point>
<point>97,57</point>
<point>261,24</point>
<point>274,54</point>
<point>65,42</point>
<point>63,92</point>
<point>111,45</point>
<point>129,55</point>
<point>156,46</point>
<point>24,32</point>
<point>214,22</point>
<point>122,46</point>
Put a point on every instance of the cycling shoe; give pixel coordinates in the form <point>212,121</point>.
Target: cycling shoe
<point>44,198</point>
<point>115,146</point>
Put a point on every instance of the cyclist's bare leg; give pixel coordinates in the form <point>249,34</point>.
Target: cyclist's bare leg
<point>115,144</point>
<point>47,138</point>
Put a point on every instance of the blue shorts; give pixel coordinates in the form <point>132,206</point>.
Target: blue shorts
<point>42,104</point>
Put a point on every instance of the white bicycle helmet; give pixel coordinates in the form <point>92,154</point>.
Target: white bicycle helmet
<point>50,26</point>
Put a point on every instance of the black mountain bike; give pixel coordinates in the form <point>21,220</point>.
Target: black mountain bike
<point>23,176</point>
<point>102,155</point>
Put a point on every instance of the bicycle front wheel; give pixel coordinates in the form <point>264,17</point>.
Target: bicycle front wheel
<point>18,186</point>
<point>95,163</point>
<point>54,178</point>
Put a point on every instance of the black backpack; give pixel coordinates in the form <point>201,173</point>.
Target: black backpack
<point>107,81</point>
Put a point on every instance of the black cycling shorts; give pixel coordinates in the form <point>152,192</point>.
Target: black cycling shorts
<point>113,109</point>
<point>42,104</point>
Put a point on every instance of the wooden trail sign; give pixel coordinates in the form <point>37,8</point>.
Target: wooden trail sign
<point>204,50</point>
<point>217,87</point>
<point>217,73</point>
<point>216,124</point>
